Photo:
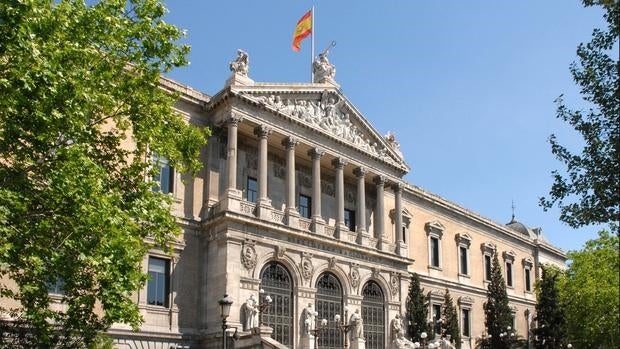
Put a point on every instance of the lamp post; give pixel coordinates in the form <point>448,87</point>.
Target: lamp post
<point>423,336</point>
<point>316,332</point>
<point>343,327</point>
<point>225,304</point>
<point>263,306</point>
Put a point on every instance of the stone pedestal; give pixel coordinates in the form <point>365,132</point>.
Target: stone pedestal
<point>383,244</point>
<point>358,343</point>
<point>401,249</point>
<point>318,225</point>
<point>231,200</point>
<point>263,209</point>
<point>239,80</point>
<point>307,342</point>
<point>342,232</point>
<point>292,218</point>
<point>363,239</point>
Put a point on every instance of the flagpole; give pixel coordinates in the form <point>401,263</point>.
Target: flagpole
<point>312,52</point>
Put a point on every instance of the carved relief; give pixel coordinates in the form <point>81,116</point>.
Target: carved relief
<point>394,283</point>
<point>248,255</point>
<point>375,273</point>
<point>307,268</point>
<point>327,186</point>
<point>332,263</point>
<point>280,251</point>
<point>354,276</point>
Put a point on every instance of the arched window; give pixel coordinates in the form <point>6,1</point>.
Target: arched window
<point>373,315</point>
<point>328,304</point>
<point>276,281</point>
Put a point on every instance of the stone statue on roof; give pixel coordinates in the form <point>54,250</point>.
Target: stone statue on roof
<point>322,69</point>
<point>241,64</point>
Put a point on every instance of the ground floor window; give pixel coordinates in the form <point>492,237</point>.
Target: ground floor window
<point>328,304</point>
<point>373,315</point>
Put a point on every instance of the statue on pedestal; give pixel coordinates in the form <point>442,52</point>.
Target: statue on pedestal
<point>357,325</point>
<point>322,69</point>
<point>241,64</point>
<point>307,320</point>
<point>250,310</point>
<point>397,334</point>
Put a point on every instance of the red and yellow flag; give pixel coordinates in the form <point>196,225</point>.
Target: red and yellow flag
<point>302,30</point>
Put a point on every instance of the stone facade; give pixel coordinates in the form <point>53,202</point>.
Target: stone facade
<point>276,147</point>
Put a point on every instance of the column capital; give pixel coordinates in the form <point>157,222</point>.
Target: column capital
<point>398,186</point>
<point>316,153</point>
<point>379,180</point>
<point>360,172</point>
<point>290,142</point>
<point>233,120</point>
<point>262,131</point>
<point>339,163</point>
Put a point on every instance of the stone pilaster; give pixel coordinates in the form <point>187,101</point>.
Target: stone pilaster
<point>341,228</point>
<point>318,223</point>
<point>292,216</point>
<point>398,218</point>
<point>263,202</point>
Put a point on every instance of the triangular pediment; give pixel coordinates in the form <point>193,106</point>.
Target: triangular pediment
<point>325,109</point>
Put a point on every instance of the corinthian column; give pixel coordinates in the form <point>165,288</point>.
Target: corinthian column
<point>360,172</point>
<point>398,217</point>
<point>317,219</point>
<point>231,195</point>
<point>339,164</point>
<point>379,221</point>
<point>291,212</point>
<point>263,202</point>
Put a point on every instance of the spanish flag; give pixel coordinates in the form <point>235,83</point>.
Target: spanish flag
<point>302,30</point>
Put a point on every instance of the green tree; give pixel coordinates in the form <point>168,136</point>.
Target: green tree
<point>417,309</point>
<point>550,332</point>
<point>590,293</point>
<point>450,324</point>
<point>498,316</point>
<point>589,192</point>
<point>80,107</point>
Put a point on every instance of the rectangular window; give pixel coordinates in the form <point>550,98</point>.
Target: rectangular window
<point>487,267</point>
<point>158,285</point>
<point>465,321</point>
<point>305,205</point>
<point>464,262</point>
<point>164,178</point>
<point>56,287</point>
<point>252,190</point>
<point>509,274</point>
<point>349,219</point>
<point>434,252</point>
<point>528,285</point>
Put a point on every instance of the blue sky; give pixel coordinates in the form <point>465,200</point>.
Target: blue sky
<point>468,86</point>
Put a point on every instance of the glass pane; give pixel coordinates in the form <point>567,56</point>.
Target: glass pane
<point>328,304</point>
<point>373,315</point>
<point>276,282</point>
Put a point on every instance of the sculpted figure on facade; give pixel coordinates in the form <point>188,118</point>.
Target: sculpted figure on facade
<point>446,343</point>
<point>397,335</point>
<point>250,310</point>
<point>307,320</point>
<point>241,64</point>
<point>354,275</point>
<point>306,268</point>
<point>357,325</point>
<point>323,70</point>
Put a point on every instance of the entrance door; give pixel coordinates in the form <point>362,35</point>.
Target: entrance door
<point>328,304</point>
<point>276,281</point>
<point>373,315</point>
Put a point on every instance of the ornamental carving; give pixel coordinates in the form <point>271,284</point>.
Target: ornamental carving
<point>307,268</point>
<point>330,114</point>
<point>241,64</point>
<point>332,263</point>
<point>280,251</point>
<point>354,276</point>
<point>248,256</point>
<point>394,283</point>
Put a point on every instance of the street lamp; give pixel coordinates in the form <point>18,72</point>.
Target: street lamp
<point>225,304</point>
<point>316,332</point>
<point>263,306</point>
<point>343,327</point>
<point>423,335</point>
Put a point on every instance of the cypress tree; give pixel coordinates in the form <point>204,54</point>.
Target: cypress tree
<point>450,320</point>
<point>417,309</point>
<point>550,333</point>
<point>498,316</point>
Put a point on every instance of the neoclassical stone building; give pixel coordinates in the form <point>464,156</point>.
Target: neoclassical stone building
<point>302,198</point>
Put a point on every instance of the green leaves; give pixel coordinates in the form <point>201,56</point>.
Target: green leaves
<point>81,103</point>
<point>589,190</point>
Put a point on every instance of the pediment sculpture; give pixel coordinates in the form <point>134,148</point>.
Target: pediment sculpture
<point>241,64</point>
<point>330,114</point>
<point>322,69</point>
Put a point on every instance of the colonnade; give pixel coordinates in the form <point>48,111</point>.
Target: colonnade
<point>263,132</point>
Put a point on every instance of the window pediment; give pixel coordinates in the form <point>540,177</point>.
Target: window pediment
<point>463,239</point>
<point>434,228</point>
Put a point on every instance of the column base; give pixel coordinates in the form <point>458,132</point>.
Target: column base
<point>358,343</point>
<point>231,200</point>
<point>318,225</point>
<point>292,218</point>
<point>263,209</point>
<point>401,249</point>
